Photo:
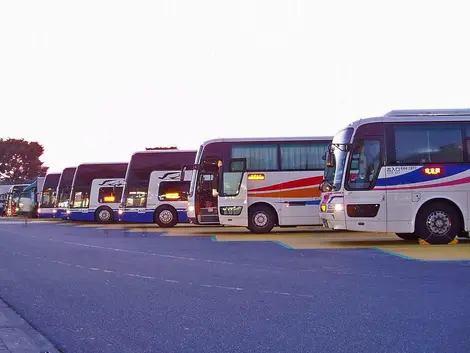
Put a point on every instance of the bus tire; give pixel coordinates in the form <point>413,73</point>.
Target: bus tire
<point>104,214</point>
<point>261,219</point>
<point>407,236</point>
<point>438,222</point>
<point>166,216</point>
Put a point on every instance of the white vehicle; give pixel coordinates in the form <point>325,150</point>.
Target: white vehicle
<point>257,183</point>
<point>407,172</point>
<point>29,198</point>
<point>96,192</point>
<point>154,191</point>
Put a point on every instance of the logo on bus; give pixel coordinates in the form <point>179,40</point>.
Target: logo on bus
<point>111,182</point>
<point>398,170</point>
<point>170,176</point>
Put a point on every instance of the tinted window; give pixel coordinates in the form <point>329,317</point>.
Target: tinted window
<point>258,157</point>
<point>306,156</point>
<point>173,191</point>
<point>427,143</point>
<point>109,194</point>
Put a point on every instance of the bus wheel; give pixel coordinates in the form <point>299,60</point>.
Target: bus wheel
<point>166,216</point>
<point>261,219</point>
<point>438,223</point>
<point>104,215</point>
<point>407,236</point>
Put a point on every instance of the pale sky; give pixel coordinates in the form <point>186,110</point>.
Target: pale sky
<point>99,80</point>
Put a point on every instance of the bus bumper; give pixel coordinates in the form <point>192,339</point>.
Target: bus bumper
<point>332,213</point>
<point>45,213</point>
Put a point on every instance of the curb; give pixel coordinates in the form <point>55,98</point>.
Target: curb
<point>18,336</point>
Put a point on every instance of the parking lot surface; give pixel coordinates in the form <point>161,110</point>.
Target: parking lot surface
<point>130,288</point>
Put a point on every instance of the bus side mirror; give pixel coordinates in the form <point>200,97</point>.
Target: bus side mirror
<point>330,159</point>
<point>183,169</point>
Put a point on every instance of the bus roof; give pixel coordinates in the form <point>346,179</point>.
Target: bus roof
<point>103,163</point>
<point>161,151</point>
<point>269,139</point>
<point>416,115</point>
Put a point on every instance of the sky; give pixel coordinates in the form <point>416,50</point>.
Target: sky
<point>95,81</point>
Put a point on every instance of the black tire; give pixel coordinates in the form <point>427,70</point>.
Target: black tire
<point>407,236</point>
<point>438,223</point>
<point>261,219</point>
<point>104,214</point>
<point>166,216</point>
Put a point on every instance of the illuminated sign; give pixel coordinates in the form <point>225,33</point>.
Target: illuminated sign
<point>255,176</point>
<point>172,196</point>
<point>433,170</point>
<point>110,198</point>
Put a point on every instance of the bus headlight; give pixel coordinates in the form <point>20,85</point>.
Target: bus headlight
<point>231,210</point>
<point>191,208</point>
<point>120,212</point>
<point>339,207</point>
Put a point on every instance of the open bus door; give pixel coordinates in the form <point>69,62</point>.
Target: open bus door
<point>233,201</point>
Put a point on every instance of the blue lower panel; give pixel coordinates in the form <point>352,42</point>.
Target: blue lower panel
<point>80,216</point>
<point>147,217</point>
<point>60,213</point>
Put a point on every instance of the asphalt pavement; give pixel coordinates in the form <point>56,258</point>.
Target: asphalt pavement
<point>91,290</point>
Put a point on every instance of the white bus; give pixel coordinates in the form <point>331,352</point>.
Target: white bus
<point>153,190</point>
<point>407,172</point>
<point>257,183</point>
<point>96,192</point>
<point>48,194</point>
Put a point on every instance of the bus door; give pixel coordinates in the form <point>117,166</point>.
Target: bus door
<point>206,192</point>
<point>364,197</point>
<point>233,198</point>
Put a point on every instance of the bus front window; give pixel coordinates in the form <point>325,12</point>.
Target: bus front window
<point>334,173</point>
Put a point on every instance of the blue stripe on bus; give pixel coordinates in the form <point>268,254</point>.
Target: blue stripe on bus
<point>302,203</point>
<point>417,175</point>
<point>147,216</point>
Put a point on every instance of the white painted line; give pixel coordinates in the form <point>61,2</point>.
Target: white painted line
<point>171,281</point>
<point>221,287</point>
<point>108,271</point>
<point>94,268</point>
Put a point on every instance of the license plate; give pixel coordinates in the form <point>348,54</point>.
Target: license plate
<point>210,209</point>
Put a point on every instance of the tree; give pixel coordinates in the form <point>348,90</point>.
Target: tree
<point>19,161</point>
<point>160,148</point>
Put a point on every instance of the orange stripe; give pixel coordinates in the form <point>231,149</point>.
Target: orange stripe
<point>305,192</point>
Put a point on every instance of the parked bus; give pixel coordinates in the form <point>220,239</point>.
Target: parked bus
<point>47,198</point>
<point>29,198</point>
<point>407,172</point>
<point>64,187</point>
<point>96,192</point>
<point>257,183</point>
<point>153,190</point>
<point>11,203</point>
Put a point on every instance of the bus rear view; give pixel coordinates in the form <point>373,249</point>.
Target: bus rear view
<point>405,173</point>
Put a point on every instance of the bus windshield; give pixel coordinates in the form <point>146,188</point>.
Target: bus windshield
<point>339,148</point>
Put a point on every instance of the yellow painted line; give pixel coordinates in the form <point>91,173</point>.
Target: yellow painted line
<point>432,253</point>
<point>424,242</point>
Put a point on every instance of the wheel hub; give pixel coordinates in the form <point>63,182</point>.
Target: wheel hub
<point>260,219</point>
<point>439,223</point>
<point>165,216</point>
<point>104,215</point>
